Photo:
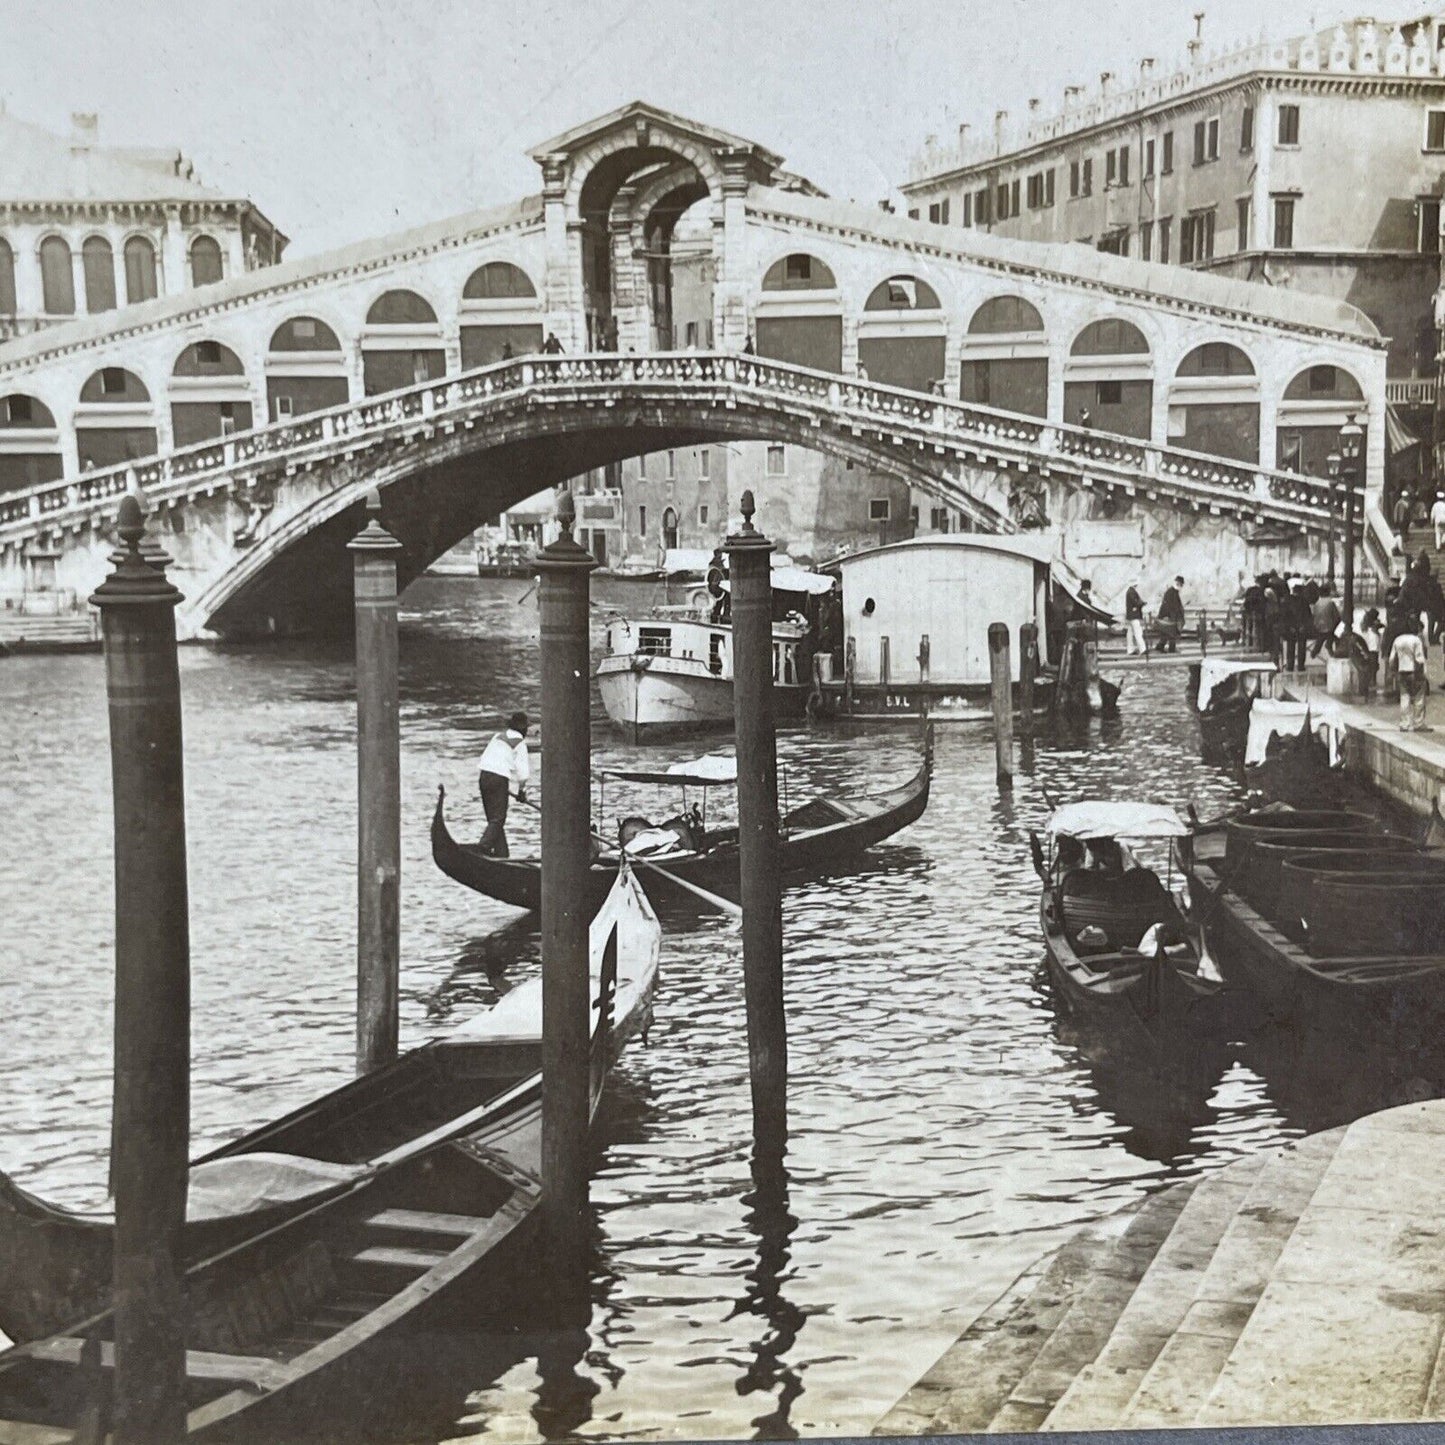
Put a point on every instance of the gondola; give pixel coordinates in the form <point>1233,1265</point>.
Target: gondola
<point>815,835</point>
<point>1120,953</point>
<point>1222,692</point>
<point>479,1082</point>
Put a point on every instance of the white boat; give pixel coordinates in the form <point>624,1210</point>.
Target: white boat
<point>674,669</point>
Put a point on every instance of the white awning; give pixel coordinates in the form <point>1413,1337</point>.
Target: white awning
<point>1214,670</point>
<point>706,771</point>
<point>795,579</point>
<point>1117,820</point>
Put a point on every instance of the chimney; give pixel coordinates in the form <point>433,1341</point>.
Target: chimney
<point>1000,119</point>
<point>1104,78</point>
<point>1033,105</point>
<point>1146,68</point>
<point>84,128</point>
<point>963,131</point>
<point>1071,94</point>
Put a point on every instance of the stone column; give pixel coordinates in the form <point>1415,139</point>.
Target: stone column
<point>629,280</point>
<point>174,277</point>
<point>564,279</point>
<point>1058,360</point>
<point>29,293</point>
<point>77,271</point>
<point>730,292</point>
<point>235,253</point>
<point>1271,388</point>
<point>1261,217</point>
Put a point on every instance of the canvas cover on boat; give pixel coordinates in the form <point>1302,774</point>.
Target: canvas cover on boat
<point>795,579</point>
<point>708,771</point>
<point>1214,670</point>
<point>242,1183</point>
<point>1271,716</point>
<point>1116,820</point>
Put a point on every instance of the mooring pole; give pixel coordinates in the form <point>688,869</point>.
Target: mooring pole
<point>378,793</point>
<point>761,864</point>
<point>1001,687</point>
<point>1028,671</point>
<point>565,567</point>
<point>151,1134</point>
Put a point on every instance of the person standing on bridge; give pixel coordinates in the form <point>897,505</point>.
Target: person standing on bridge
<point>551,346</point>
<point>505,763</point>
<point>1171,616</point>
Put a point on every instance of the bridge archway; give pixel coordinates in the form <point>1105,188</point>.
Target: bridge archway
<point>210,394</point>
<point>115,419</point>
<point>402,343</point>
<point>902,334</point>
<point>1005,358</point>
<point>798,317</point>
<point>1315,405</point>
<point>1109,379</point>
<point>501,315</point>
<point>305,369</point>
<point>1214,402</point>
<point>29,442</point>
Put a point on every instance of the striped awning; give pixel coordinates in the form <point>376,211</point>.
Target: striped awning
<point>1398,434</point>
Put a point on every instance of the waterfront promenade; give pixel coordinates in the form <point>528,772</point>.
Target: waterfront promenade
<point>1304,1285</point>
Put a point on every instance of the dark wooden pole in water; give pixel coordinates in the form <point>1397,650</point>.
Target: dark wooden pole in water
<point>761,863</point>
<point>378,793</point>
<point>151,1133</point>
<point>1000,676</point>
<point>565,567</point>
<point>1028,671</point>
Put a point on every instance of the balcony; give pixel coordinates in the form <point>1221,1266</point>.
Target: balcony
<point>1411,391</point>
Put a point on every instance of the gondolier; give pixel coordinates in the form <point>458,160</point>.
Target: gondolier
<point>504,764</point>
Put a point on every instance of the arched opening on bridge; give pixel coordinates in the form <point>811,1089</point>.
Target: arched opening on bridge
<point>305,369</point>
<point>140,270</point>
<point>902,335</point>
<point>57,277</point>
<point>206,264</point>
<point>677,247</point>
<point>97,261</point>
<point>114,420</point>
<point>1214,403</point>
<point>401,345</point>
<point>798,317</point>
<point>1005,361</point>
<point>1315,405</point>
<point>8,306</point>
<point>1108,379</point>
<point>500,315</point>
<point>210,395</point>
<point>29,443</point>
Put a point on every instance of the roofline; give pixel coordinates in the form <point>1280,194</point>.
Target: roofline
<point>725,138</point>
<point>1017,544</point>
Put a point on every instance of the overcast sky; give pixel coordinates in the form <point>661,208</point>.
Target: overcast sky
<point>348,118</point>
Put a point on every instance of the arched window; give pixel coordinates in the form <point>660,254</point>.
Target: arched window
<point>20,411</point>
<point>98,262</point>
<point>140,270</point>
<point>902,293</point>
<point>1216,358</point>
<point>304,333</point>
<point>1324,383</point>
<point>1110,338</point>
<point>8,305</point>
<point>208,358</point>
<point>798,272</point>
<point>113,384</point>
<point>497,280</point>
<point>400,308</point>
<point>1005,316</point>
<point>205,261</point>
<point>57,277</point>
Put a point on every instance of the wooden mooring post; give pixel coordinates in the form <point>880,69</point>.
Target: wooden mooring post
<point>150,1136</point>
<point>566,568</point>
<point>378,793</point>
<point>761,865</point>
<point>1000,676</point>
<point>1028,672</point>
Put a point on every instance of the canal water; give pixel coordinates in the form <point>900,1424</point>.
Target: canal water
<point>947,1128</point>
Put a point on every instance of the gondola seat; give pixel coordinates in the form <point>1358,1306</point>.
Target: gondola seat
<point>1123,906</point>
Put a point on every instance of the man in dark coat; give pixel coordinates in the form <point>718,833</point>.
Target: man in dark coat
<point>1253,613</point>
<point>1294,627</point>
<point>1171,617</point>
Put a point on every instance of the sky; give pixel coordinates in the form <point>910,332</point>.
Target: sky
<point>349,118</point>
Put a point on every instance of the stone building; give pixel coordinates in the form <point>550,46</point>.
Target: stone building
<point>1314,163</point>
<point>86,228</point>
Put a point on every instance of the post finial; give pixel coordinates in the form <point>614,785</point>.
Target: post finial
<point>566,513</point>
<point>373,505</point>
<point>131,521</point>
<point>138,565</point>
<point>373,537</point>
<point>749,506</point>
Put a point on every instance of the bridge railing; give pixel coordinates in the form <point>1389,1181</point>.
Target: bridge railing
<point>205,465</point>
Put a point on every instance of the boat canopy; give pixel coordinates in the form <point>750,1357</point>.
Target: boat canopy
<point>1269,717</point>
<point>1214,670</point>
<point>1096,819</point>
<point>796,579</point>
<point>705,772</point>
<point>686,559</point>
<point>1067,582</point>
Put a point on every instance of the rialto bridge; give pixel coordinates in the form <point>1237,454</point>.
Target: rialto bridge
<point>256,412</point>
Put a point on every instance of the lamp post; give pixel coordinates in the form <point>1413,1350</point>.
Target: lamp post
<point>1332,465</point>
<point>1352,462</point>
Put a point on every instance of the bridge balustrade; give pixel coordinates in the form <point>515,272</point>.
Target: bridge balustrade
<point>925,419</point>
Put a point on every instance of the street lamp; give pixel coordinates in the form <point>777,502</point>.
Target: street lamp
<point>1332,465</point>
<point>1352,465</point>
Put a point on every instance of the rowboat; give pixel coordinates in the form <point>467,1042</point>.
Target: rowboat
<point>1119,951</point>
<point>815,836</point>
<point>479,1082</point>
<point>1222,691</point>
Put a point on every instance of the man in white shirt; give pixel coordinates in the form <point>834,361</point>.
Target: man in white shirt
<point>1408,654</point>
<point>504,764</point>
<point>1437,520</point>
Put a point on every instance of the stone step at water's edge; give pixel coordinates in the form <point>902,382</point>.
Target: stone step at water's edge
<point>1158,1304</point>
<point>1180,1378</point>
<point>1089,1320</point>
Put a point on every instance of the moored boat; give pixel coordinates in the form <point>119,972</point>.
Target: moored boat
<point>819,833</point>
<point>1222,692</point>
<point>479,1082</point>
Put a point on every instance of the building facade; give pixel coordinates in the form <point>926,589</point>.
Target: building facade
<point>1314,164</point>
<point>87,228</point>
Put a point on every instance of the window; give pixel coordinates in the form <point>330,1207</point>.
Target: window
<point>1116,243</point>
<point>642,521</point>
<point>1435,130</point>
<point>967,218</point>
<point>1165,224</point>
<point>777,461</point>
<point>704,463</point>
<point>982,211</point>
<point>1013,198</point>
<point>1148,160</point>
<point>1146,242</point>
<point>1002,207</point>
<point>938,212</point>
<point>702,514</point>
<point>1241,207</point>
<point>1428,209</point>
<point>1036,191</point>
<point>228,418</point>
<point>913,518</point>
<point>690,334</point>
<point>1196,237</point>
<point>799,266</point>
<point>112,381</point>
<point>1166,158</point>
<point>7,279</point>
<point>284,408</point>
<point>938,519</point>
<point>1291,449</point>
<point>1246,129</point>
<point>18,409</point>
<point>1215,358</point>
<point>642,467</point>
<point>878,509</point>
<point>1049,186</point>
<point>57,277</point>
<point>1116,167</point>
<point>913,213</point>
<point>98,262</point>
<point>205,261</point>
<point>208,353</point>
<point>1206,141</point>
<point>1322,379</point>
<point>1073,179</point>
<point>1289,125</point>
<point>671,465</point>
<point>1086,177</point>
<point>1284,221</point>
<point>1108,393</point>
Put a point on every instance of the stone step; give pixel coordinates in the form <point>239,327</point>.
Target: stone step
<point>1179,1378</point>
<point>1085,1325</point>
<point>971,1380</point>
<point>1106,1384</point>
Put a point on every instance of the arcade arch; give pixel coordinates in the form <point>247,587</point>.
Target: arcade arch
<point>1005,359</point>
<point>1108,379</point>
<point>1214,403</point>
<point>114,420</point>
<point>29,443</point>
<point>210,394</point>
<point>799,313</point>
<point>902,335</point>
<point>1315,405</point>
<point>500,315</point>
<point>401,344</point>
<point>305,369</point>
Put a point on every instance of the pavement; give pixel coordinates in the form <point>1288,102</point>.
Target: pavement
<point>1305,1285</point>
